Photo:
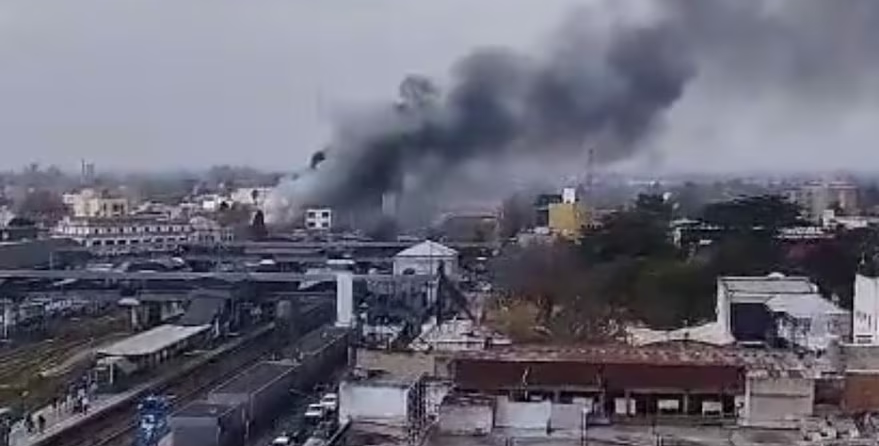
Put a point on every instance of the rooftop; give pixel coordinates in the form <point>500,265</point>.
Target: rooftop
<point>203,408</point>
<point>254,378</point>
<point>671,354</point>
<point>457,333</point>
<point>764,288</point>
<point>381,378</point>
<point>152,341</point>
<point>804,305</point>
<point>427,248</point>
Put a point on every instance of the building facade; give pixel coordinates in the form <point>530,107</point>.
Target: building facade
<point>816,198</point>
<point>90,203</point>
<point>319,219</point>
<point>865,317</point>
<point>778,310</point>
<point>125,234</point>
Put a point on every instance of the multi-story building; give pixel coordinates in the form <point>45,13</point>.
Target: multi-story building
<point>319,218</point>
<point>816,198</point>
<point>89,203</point>
<point>250,195</point>
<point>205,230</point>
<point>125,234</point>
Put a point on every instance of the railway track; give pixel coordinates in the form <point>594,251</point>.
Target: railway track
<point>22,369</point>
<point>117,426</point>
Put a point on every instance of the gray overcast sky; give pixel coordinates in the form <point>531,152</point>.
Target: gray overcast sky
<point>168,83</point>
<point>154,84</point>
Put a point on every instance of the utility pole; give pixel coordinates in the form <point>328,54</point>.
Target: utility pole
<point>589,181</point>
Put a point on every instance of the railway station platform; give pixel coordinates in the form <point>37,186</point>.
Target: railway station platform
<point>63,419</point>
<point>101,405</point>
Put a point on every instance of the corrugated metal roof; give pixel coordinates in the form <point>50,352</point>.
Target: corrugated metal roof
<point>201,311</point>
<point>152,341</point>
<point>861,392</point>
<point>803,305</point>
<point>493,375</point>
<point>204,409</point>
<point>427,249</point>
<point>254,378</point>
<point>767,285</point>
<point>678,354</point>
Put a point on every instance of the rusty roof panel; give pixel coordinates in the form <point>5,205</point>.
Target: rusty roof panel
<point>687,354</point>
<point>494,375</point>
<point>861,392</point>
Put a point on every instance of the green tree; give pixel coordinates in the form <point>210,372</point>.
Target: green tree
<point>765,213</point>
<point>640,232</point>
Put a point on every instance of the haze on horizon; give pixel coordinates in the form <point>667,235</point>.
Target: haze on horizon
<point>162,84</point>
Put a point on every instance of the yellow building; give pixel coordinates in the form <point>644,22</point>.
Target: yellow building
<point>567,219</point>
<point>89,203</point>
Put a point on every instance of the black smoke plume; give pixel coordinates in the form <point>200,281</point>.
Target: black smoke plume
<point>604,90</point>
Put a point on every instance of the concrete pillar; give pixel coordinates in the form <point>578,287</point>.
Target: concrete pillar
<point>344,299</point>
<point>7,318</point>
<point>135,319</point>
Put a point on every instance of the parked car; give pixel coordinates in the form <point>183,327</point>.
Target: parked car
<point>315,412</point>
<point>330,402</point>
<point>282,440</point>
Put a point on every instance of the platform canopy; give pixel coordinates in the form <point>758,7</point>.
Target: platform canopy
<point>153,340</point>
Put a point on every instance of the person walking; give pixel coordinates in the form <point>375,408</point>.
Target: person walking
<point>29,423</point>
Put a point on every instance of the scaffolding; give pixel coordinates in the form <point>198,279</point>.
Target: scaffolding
<point>417,418</point>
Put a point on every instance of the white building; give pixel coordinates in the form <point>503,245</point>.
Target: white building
<point>865,320</point>
<point>89,203</point>
<point>205,230</point>
<point>245,195</point>
<point>758,309</point>
<point>319,219</point>
<point>425,258</point>
<point>392,405</point>
<point>211,202</point>
<point>125,234</point>
<point>815,198</point>
<point>809,321</point>
<point>457,335</point>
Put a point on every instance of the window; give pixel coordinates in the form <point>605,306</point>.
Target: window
<point>312,214</point>
<point>325,214</point>
<point>310,224</point>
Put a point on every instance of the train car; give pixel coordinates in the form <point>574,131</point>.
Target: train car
<point>208,424</point>
<point>262,391</point>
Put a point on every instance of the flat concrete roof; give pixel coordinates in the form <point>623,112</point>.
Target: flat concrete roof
<point>152,341</point>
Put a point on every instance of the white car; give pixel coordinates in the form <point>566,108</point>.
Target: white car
<point>314,411</point>
<point>283,440</point>
<point>330,402</point>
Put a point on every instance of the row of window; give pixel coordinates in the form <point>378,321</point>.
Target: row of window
<point>73,230</point>
<point>135,241</point>
<point>315,213</point>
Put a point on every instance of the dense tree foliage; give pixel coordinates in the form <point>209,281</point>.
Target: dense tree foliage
<point>42,205</point>
<point>628,271</point>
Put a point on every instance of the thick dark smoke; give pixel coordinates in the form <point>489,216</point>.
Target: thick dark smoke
<point>604,90</point>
